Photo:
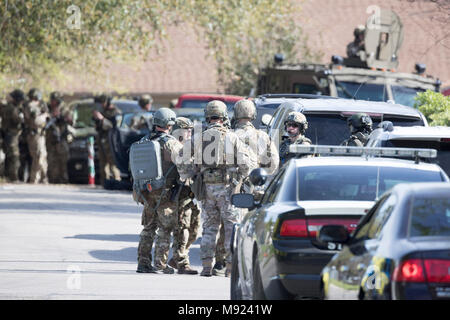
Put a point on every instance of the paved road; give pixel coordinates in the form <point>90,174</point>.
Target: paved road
<point>76,242</point>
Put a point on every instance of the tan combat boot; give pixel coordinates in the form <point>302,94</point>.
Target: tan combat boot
<point>207,268</point>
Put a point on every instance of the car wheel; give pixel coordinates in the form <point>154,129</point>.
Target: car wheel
<point>258,289</point>
<point>235,287</point>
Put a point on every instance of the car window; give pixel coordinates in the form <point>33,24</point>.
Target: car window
<point>278,125</point>
<point>83,116</point>
<point>380,218</point>
<point>364,231</point>
<point>355,183</point>
<point>135,118</point>
<point>201,104</point>
<point>272,188</point>
<point>361,91</point>
<point>404,95</point>
<point>430,216</point>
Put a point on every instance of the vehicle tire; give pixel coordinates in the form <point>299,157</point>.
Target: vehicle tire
<point>258,289</point>
<point>235,287</point>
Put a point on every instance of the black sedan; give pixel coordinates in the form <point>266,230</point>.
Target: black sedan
<point>275,251</point>
<point>400,249</point>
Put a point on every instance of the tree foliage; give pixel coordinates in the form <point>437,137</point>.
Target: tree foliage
<point>435,106</point>
<point>41,39</point>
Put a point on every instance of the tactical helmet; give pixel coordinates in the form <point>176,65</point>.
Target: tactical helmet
<point>359,30</point>
<point>56,95</point>
<point>164,117</point>
<point>258,176</point>
<point>34,94</point>
<point>17,95</point>
<point>183,123</point>
<point>216,108</point>
<point>144,100</point>
<point>360,122</point>
<point>298,118</point>
<point>244,109</point>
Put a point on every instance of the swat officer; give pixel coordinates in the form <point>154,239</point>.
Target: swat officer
<point>3,104</point>
<point>360,125</point>
<point>58,135</point>
<point>244,111</point>
<point>159,210</point>
<point>219,155</point>
<point>355,47</point>
<point>104,122</point>
<point>188,211</point>
<point>12,121</point>
<point>35,115</point>
<point>295,126</point>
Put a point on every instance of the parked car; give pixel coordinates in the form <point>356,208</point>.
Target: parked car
<point>400,249</point>
<point>200,100</point>
<point>327,118</point>
<point>84,128</point>
<point>268,103</point>
<point>275,251</point>
<point>437,138</point>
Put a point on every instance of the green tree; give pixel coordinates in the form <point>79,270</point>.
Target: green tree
<point>46,39</point>
<point>435,106</point>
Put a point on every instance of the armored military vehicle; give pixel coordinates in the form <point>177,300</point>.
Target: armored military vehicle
<point>367,73</point>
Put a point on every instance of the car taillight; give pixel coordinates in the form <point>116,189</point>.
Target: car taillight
<point>410,271</point>
<point>314,225</point>
<point>294,228</point>
<point>437,270</point>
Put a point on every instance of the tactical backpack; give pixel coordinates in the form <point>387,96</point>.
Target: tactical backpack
<point>146,165</point>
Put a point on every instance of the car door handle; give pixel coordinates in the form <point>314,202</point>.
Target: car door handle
<point>343,269</point>
<point>360,266</point>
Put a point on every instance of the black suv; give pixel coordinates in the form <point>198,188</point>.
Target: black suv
<point>84,128</point>
<point>327,118</point>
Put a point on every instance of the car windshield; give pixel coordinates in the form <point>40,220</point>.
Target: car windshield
<point>332,129</point>
<point>442,147</point>
<point>356,183</point>
<point>361,91</point>
<point>430,216</point>
<point>82,114</point>
<point>136,118</point>
<point>201,104</point>
<point>404,95</point>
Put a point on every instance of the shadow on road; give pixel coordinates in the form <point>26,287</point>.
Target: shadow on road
<point>107,237</point>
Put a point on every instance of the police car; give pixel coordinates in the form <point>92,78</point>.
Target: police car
<point>275,251</point>
<point>437,138</point>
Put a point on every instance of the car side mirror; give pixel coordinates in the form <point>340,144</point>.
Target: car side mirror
<point>243,200</point>
<point>266,119</point>
<point>333,233</point>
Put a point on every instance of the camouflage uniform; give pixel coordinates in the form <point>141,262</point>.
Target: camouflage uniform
<point>58,135</point>
<point>188,212</point>
<point>219,153</point>
<point>12,121</point>
<point>107,166</point>
<point>36,114</point>
<point>299,119</point>
<point>159,213</point>
<point>360,125</point>
<point>259,142</point>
